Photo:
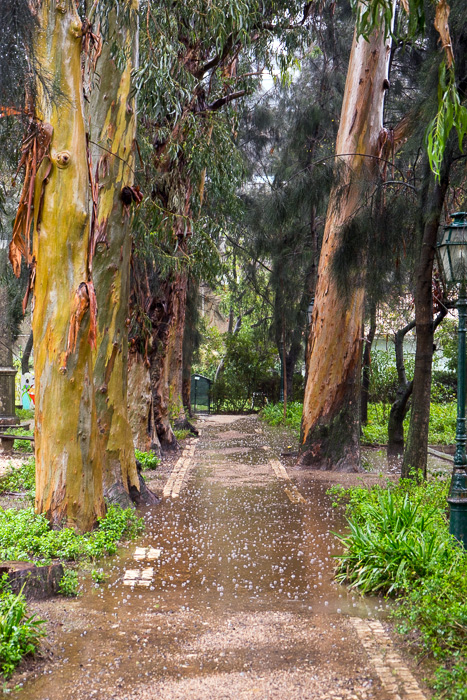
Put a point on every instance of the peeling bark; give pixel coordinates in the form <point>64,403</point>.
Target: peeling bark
<point>68,473</point>
<point>112,123</point>
<point>331,410</point>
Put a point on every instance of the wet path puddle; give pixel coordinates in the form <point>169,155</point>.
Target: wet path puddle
<point>230,587</point>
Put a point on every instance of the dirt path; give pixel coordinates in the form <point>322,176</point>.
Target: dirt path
<point>228,595</point>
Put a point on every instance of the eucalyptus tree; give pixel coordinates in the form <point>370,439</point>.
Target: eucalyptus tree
<point>77,197</point>
<point>200,58</point>
<point>331,421</point>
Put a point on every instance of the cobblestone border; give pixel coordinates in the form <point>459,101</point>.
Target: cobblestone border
<point>394,675</point>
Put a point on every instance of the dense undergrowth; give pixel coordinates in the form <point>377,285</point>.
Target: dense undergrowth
<point>442,421</point>
<point>399,545</point>
<point>20,633</point>
<point>25,536</point>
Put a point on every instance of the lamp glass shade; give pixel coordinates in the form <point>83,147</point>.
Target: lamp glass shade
<point>453,249</point>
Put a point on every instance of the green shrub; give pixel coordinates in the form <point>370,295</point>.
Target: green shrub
<point>68,585</point>
<point>22,478</point>
<point>25,536</point>
<point>19,634</point>
<point>399,543</point>
<point>148,460</point>
<point>181,434</point>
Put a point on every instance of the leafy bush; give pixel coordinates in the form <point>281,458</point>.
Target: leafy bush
<point>249,361</point>
<point>399,543</point>
<point>397,535</point>
<point>25,536</point>
<point>181,434</point>
<point>22,478</point>
<point>19,634</point>
<point>68,585</point>
<point>148,460</point>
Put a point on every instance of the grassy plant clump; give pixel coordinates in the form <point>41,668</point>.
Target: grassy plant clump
<point>19,634</point>
<point>20,479</point>
<point>148,460</point>
<point>25,536</point>
<point>399,544</point>
<point>68,585</point>
<point>273,414</point>
<point>442,424</point>
<point>181,434</point>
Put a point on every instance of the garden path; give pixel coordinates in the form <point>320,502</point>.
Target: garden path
<point>228,594</point>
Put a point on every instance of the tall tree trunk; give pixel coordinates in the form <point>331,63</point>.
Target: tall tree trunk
<point>331,410</point>
<point>174,356</point>
<point>68,472</point>
<point>366,365</point>
<point>400,407</point>
<point>112,116</point>
<point>140,405</point>
<point>431,208</point>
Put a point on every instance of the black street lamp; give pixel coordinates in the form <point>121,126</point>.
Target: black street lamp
<point>453,257</point>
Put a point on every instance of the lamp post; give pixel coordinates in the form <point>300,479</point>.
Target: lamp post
<point>453,256</point>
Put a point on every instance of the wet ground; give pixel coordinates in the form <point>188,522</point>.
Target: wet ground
<point>228,594</point>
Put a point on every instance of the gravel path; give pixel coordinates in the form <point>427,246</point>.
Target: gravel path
<point>228,595</point>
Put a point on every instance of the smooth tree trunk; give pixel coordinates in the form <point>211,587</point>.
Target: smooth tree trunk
<point>414,463</point>
<point>68,472</point>
<point>331,411</point>
<point>112,122</point>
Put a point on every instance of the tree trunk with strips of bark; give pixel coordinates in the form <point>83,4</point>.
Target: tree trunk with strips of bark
<point>112,131</point>
<point>331,411</point>
<point>68,469</point>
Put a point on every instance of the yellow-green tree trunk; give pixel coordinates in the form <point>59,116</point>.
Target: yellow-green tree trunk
<point>112,117</point>
<point>68,473</point>
<point>331,415</point>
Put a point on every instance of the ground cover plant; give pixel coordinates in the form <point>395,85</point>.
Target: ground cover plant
<point>273,414</point>
<point>398,544</point>
<point>442,424</point>
<point>148,460</point>
<point>26,536</point>
<point>20,634</point>
<point>20,479</point>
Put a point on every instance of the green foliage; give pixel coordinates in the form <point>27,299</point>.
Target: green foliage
<point>442,424</point>
<point>399,543</point>
<point>248,361</point>
<point>273,414</point>
<point>181,434</point>
<point>451,114</point>
<point>20,634</point>
<point>25,413</point>
<point>22,478</point>
<point>25,536</point>
<point>397,535</point>
<point>383,375</point>
<point>98,576</point>
<point>69,583</point>
<point>148,460</point>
